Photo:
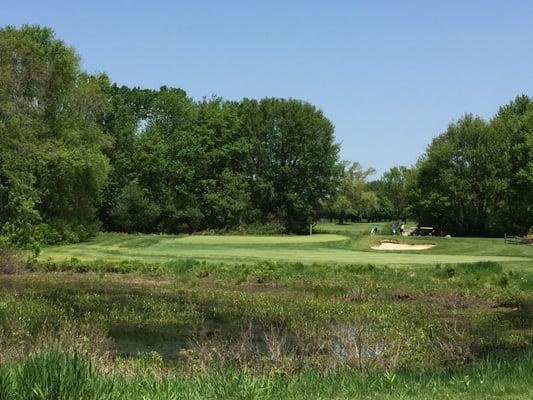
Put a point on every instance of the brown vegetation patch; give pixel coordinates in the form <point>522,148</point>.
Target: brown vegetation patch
<point>355,295</point>
<point>400,294</point>
<point>11,262</point>
<point>448,301</point>
<point>250,287</point>
<point>455,300</point>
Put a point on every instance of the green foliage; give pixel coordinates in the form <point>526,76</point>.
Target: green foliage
<point>51,163</point>
<point>75,148</point>
<point>290,160</point>
<point>214,164</point>
<point>133,211</point>
<point>500,376</point>
<point>353,199</point>
<point>54,375</point>
<point>342,206</point>
<point>21,235</point>
<point>385,208</point>
<point>475,178</point>
<point>393,188</point>
<point>253,229</point>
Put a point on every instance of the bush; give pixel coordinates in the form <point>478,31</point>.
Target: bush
<point>481,268</point>
<point>62,232</point>
<point>271,228</point>
<point>444,272</point>
<point>21,236</point>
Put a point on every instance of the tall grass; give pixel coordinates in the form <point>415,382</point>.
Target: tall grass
<point>56,375</point>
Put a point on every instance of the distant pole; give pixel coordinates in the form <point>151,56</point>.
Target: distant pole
<point>310,229</point>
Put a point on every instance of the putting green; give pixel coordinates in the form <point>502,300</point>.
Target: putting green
<point>263,240</point>
<point>317,248</point>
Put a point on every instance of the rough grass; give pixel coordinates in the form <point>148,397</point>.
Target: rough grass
<point>285,316</point>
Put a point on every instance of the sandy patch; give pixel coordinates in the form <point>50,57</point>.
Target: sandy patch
<point>393,245</point>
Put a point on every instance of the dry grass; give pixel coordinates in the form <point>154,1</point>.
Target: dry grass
<point>11,261</point>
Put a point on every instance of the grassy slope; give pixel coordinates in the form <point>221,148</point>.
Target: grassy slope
<point>343,244</point>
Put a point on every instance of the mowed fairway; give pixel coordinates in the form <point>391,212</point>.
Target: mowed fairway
<point>319,248</point>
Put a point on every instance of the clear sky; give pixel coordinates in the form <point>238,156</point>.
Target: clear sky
<point>389,74</point>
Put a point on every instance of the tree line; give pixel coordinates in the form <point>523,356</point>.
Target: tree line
<point>475,179</point>
<point>79,154</point>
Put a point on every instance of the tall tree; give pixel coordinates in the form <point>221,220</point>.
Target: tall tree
<point>291,160</point>
<point>513,126</point>
<point>52,168</point>
<point>353,197</point>
<point>394,187</point>
<point>459,179</point>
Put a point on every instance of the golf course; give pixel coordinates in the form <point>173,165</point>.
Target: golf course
<point>348,243</point>
<point>336,205</point>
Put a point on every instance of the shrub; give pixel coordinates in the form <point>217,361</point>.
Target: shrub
<point>444,272</point>
<point>60,231</point>
<point>21,236</point>
<point>270,228</point>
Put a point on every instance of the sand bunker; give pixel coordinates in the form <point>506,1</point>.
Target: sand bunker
<point>393,245</point>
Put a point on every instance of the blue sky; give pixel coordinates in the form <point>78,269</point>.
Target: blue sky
<point>389,74</point>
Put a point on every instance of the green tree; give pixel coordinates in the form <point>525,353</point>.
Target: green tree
<point>342,207</point>
<point>134,211</point>
<point>52,168</point>
<point>394,187</point>
<point>124,122</point>
<point>290,160</point>
<point>352,188</point>
<point>459,181</point>
<point>513,126</point>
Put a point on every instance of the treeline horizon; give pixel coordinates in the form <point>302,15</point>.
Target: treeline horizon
<point>81,154</point>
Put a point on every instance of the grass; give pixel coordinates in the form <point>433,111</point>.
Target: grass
<point>474,307</point>
<point>291,317</point>
<point>67,375</point>
<point>179,335</point>
<point>349,245</point>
